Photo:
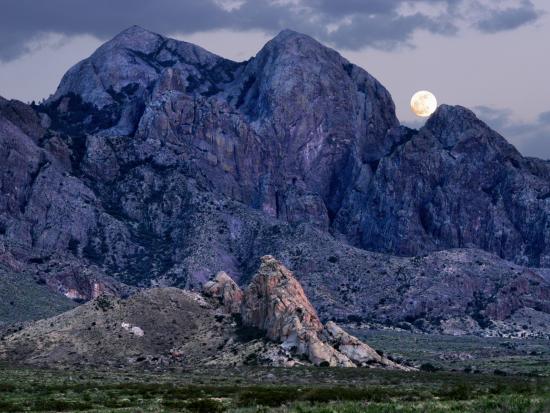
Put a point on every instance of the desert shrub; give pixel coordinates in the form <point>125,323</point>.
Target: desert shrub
<point>251,359</point>
<point>205,406</point>
<point>104,303</point>
<point>461,391</point>
<point>429,367</point>
<point>328,394</point>
<point>6,406</point>
<point>115,403</point>
<point>266,396</point>
<point>175,404</point>
<point>60,405</point>
<point>7,388</point>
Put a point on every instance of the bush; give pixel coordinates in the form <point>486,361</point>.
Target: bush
<point>429,367</point>
<point>461,391</point>
<point>7,388</point>
<point>6,406</point>
<point>205,406</point>
<point>60,405</point>
<point>271,397</point>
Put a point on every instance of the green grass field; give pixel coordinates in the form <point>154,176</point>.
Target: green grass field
<point>269,389</point>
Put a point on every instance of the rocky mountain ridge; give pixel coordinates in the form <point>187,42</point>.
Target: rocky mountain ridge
<point>157,163</point>
<point>312,131</point>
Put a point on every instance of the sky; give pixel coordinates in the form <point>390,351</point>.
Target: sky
<point>491,56</point>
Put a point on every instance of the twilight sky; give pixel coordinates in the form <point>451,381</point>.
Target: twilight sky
<point>489,55</point>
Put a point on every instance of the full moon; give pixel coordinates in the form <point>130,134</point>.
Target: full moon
<point>423,103</point>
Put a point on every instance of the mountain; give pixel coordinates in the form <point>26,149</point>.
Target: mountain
<point>158,164</point>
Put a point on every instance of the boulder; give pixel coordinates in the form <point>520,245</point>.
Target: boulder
<point>223,288</point>
<point>358,352</point>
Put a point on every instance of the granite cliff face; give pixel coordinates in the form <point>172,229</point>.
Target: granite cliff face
<point>275,303</point>
<point>157,163</point>
<point>456,183</point>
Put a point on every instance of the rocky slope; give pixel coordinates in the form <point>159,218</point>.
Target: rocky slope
<point>456,183</point>
<point>275,303</point>
<point>157,163</point>
<point>169,326</point>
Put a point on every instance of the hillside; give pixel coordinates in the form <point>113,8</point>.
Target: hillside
<point>270,323</point>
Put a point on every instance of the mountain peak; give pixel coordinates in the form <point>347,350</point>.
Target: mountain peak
<point>135,38</point>
<point>453,112</point>
<point>286,34</point>
<point>295,43</point>
<point>134,59</point>
<point>450,124</point>
<point>136,30</point>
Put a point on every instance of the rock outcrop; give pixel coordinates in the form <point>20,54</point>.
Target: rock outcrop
<point>358,352</point>
<point>275,303</point>
<point>226,291</point>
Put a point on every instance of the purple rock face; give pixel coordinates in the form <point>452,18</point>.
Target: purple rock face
<point>456,183</point>
<point>159,163</point>
<point>285,132</point>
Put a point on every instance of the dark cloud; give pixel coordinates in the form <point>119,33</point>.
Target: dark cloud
<point>531,139</point>
<point>351,24</point>
<point>22,21</point>
<point>13,43</point>
<point>509,18</point>
<point>544,118</point>
<point>383,32</point>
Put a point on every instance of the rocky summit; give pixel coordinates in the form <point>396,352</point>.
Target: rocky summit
<point>159,164</point>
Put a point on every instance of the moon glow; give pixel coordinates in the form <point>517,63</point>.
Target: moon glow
<point>423,103</point>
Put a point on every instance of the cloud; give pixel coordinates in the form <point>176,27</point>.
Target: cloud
<point>349,24</point>
<point>531,138</point>
<point>544,118</point>
<point>383,32</point>
<point>509,18</point>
